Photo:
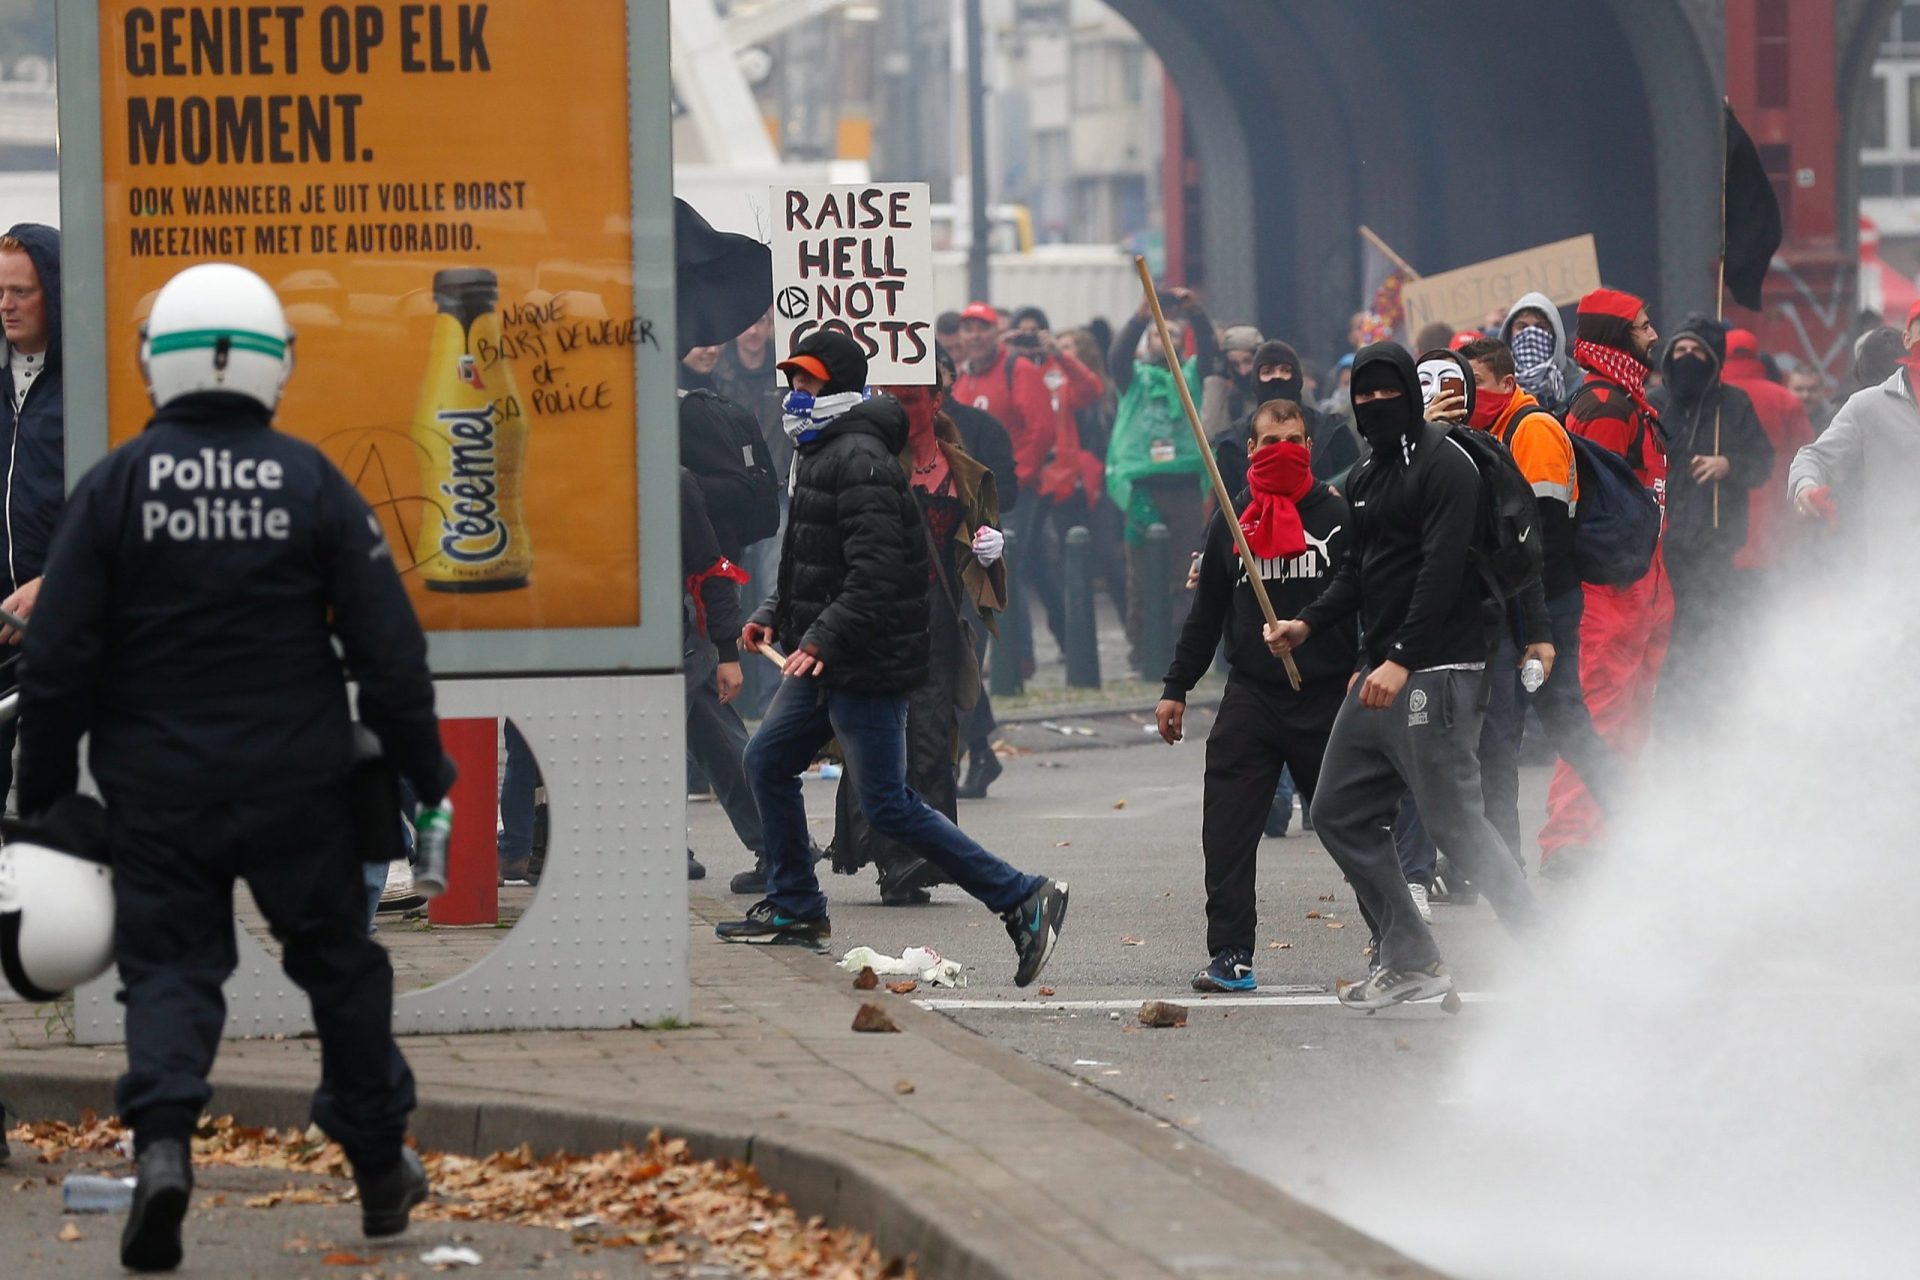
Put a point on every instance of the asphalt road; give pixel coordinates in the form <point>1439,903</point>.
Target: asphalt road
<point>1273,1078</point>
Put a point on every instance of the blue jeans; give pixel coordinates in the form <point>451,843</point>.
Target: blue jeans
<point>514,845</point>
<point>872,729</point>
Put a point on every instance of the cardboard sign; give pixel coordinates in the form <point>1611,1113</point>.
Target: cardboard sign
<point>1463,298</point>
<point>858,259</point>
<point>461,291</point>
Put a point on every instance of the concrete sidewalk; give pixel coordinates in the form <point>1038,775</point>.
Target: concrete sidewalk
<point>992,1166</point>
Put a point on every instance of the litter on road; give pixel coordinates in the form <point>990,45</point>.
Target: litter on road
<point>924,963</point>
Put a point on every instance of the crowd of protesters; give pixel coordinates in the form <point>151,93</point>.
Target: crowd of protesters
<point>1415,675</point>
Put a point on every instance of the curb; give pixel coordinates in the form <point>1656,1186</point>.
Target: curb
<point>842,1179</point>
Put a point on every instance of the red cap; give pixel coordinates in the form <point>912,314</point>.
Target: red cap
<point>1612,302</point>
<point>980,311</point>
<point>1462,338</point>
<point>806,364</point>
<point>1742,343</point>
<point>1913,313</point>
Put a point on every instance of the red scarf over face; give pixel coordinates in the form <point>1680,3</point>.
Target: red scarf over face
<point>1279,475</point>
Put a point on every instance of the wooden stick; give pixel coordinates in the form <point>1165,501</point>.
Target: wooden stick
<point>1716,453</point>
<point>1381,245</point>
<point>1720,285</point>
<point>1220,493</point>
<point>773,655</point>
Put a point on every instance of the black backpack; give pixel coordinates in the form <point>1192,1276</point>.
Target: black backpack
<point>720,440</point>
<point>1507,542</point>
<point>1617,526</point>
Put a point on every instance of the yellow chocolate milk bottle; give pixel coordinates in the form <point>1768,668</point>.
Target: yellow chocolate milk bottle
<point>471,427</point>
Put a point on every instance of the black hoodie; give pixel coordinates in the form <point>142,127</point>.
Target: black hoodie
<point>1224,606</point>
<point>1415,502</point>
<point>854,571</point>
<point>33,447</point>
<point>1695,545</point>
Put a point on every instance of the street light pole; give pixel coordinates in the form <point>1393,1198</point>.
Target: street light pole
<point>976,154</point>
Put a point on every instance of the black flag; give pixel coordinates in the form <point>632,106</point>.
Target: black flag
<point>723,281</point>
<point>1752,232</point>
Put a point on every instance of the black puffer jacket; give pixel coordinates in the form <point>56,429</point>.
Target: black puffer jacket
<point>853,566</point>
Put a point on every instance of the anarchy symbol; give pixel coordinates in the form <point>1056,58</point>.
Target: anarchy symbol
<point>792,303</point>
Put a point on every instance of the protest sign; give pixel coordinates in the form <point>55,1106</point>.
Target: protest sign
<point>858,259</point>
<point>1464,297</point>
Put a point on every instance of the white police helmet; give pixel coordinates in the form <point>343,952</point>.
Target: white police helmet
<point>216,327</point>
<point>56,899</point>
<point>56,920</point>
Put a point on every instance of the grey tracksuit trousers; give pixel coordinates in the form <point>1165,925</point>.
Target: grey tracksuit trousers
<point>1427,742</point>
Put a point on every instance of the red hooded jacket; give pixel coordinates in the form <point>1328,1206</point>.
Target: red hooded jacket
<point>1770,518</point>
<point>1036,404</point>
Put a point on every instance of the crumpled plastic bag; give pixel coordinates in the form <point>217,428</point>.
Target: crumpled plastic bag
<point>923,963</point>
<point>450,1255</point>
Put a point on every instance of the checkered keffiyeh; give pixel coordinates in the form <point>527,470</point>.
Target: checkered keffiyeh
<point>1616,366</point>
<point>1535,366</point>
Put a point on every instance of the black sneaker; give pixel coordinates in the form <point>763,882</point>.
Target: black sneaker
<point>1231,970</point>
<point>752,882</point>
<point>904,881</point>
<point>695,869</point>
<point>151,1239</point>
<point>982,769</point>
<point>387,1201</point>
<point>1034,926</point>
<point>767,923</point>
<point>1450,888</point>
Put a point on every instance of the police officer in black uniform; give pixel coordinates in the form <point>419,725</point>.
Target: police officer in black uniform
<point>195,589</point>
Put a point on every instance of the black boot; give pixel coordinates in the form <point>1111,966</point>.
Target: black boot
<point>752,882</point>
<point>905,881</point>
<point>151,1239</point>
<point>387,1199</point>
<point>695,870</point>
<point>982,768</point>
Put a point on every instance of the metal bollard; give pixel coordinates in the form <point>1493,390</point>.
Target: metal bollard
<point>1156,605</point>
<point>1007,680</point>
<point>1083,643</point>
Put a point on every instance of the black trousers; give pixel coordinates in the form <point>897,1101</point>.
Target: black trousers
<point>174,866</point>
<point>1259,731</point>
<point>715,740</point>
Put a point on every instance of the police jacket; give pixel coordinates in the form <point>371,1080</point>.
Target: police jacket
<point>197,583</point>
<point>33,441</point>
<point>854,574</point>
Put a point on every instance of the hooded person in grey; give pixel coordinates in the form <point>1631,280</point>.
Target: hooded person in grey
<point>1860,474</point>
<point>1535,334</point>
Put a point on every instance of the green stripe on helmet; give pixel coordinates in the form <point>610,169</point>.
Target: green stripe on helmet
<point>197,339</point>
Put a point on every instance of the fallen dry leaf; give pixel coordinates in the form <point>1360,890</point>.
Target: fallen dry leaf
<point>1133,942</point>
<point>903,1087</point>
<point>1313,915</point>
<point>1326,897</point>
<point>1046,991</point>
<point>69,1233</point>
<point>1336,924</point>
<point>866,979</point>
<point>903,987</point>
<point>1279,946</point>
<point>1402,1043</point>
<point>347,1260</point>
<point>1119,804</point>
<point>1062,844</point>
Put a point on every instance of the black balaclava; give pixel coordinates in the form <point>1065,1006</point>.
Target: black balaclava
<point>1691,377</point>
<point>1384,422</point>
<point>1278,388</point>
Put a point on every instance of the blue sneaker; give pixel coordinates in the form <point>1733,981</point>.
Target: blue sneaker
<point>1231,970</point>
<point>766,923</point>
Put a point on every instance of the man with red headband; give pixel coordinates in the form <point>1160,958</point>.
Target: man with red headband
<point>1624,630</point>
<point>1297,527</point>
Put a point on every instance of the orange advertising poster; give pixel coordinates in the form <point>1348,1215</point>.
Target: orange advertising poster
<point>440,194</point>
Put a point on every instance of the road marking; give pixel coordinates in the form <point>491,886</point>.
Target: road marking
<point>1319,998</point>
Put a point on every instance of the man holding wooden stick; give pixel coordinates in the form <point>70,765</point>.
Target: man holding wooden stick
<point>1297,529</point>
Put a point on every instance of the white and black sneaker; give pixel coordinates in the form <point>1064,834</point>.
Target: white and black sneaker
<point>1386,986</point>
<point>1034,926</point>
